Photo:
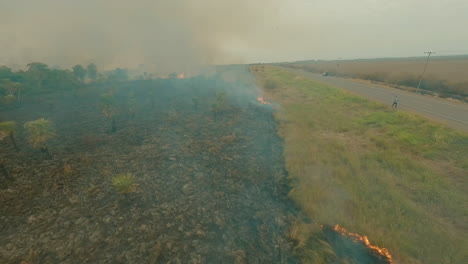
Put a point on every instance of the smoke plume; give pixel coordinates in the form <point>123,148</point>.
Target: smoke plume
<point>163,35</point>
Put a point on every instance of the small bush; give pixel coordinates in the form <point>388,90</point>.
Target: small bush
<point>270,84</point>
<point>108,105</point>
<point>220,103</point>
<point>221,97</point>
<point>8,99</point>
<point>109,108</point>
<point>6,128</point>
<point>195,102</point>
<point>124,183</point>
<point>40,131</point>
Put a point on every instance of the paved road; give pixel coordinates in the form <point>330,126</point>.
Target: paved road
<point>451,113</point>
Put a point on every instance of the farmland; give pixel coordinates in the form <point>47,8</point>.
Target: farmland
<point>395,177</point>
<point>444,75</point>
<point>167,170</point>
<point>204,169</point>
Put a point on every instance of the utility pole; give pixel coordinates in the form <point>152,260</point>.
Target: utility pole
<point>429,53</point>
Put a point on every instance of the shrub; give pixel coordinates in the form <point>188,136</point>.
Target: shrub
<point>108,105</point>
<point>132,105</point>
<point>221,97</point>
<point>8,129</point>
<point>40,131</point>
<point>109,108</point>
<point>8,99</point>
<point>10,91</point>
<point>124,183</point>
<point>195,102</point>
<point>270,84</point>
<point>220,103</point>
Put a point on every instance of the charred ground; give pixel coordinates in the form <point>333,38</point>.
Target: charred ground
<point>157,171</point>
<point>211,182</point>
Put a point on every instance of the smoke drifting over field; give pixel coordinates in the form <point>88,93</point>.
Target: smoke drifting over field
<point>163,34</point>
<point>168,35</point>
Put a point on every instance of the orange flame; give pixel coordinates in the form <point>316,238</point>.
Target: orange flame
<point>356,237</point>
<point>261,100</point>
<point>181,76</point>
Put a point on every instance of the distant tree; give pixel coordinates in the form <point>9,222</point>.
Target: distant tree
<point>36,74</point>
<point>118,75</point>
<point>92,71</point>
<point>61,80</point>
<point>37,66</point>
<point>10,91</point>
<point>79,72</point>
<point>18,76</point>
<point>5,72</point>
<point>172,75</point>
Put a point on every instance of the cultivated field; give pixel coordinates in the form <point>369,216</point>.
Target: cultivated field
<point>444,75</point>
<point>395,177</point>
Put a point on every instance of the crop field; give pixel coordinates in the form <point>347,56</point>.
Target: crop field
<point>396,178</point>
<point>444,75</point>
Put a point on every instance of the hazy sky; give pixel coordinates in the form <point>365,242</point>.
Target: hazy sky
<point>180,34</point>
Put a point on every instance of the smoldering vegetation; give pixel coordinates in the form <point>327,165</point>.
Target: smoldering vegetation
<point>181,170</point>
<point>186,169</point>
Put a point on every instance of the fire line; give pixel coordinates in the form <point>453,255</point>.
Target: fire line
<point>261,100</point>
<point>356,237</point>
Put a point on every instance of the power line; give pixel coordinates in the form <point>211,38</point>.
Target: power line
<point>425,66</point>
<point>452,51</point>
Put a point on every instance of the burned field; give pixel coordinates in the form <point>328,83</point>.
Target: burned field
<point>208,180</point>
<point>181,170</point>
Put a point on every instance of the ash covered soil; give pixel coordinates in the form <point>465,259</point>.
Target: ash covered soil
<point>212,186</point>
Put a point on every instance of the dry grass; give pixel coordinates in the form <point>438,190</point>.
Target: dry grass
<point>394,177</point>
<point>444,76</point>
<point>445,69</point>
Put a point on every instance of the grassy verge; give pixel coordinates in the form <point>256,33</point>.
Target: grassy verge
<point>395,177</point>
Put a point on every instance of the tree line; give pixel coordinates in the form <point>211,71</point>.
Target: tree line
<point>39,77</point>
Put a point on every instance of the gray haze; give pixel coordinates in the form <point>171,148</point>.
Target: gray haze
<point>166,35</point>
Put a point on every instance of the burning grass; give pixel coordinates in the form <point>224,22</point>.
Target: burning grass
<point>363,239</point>
<point>261,100</point>
<point>396,178</point>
